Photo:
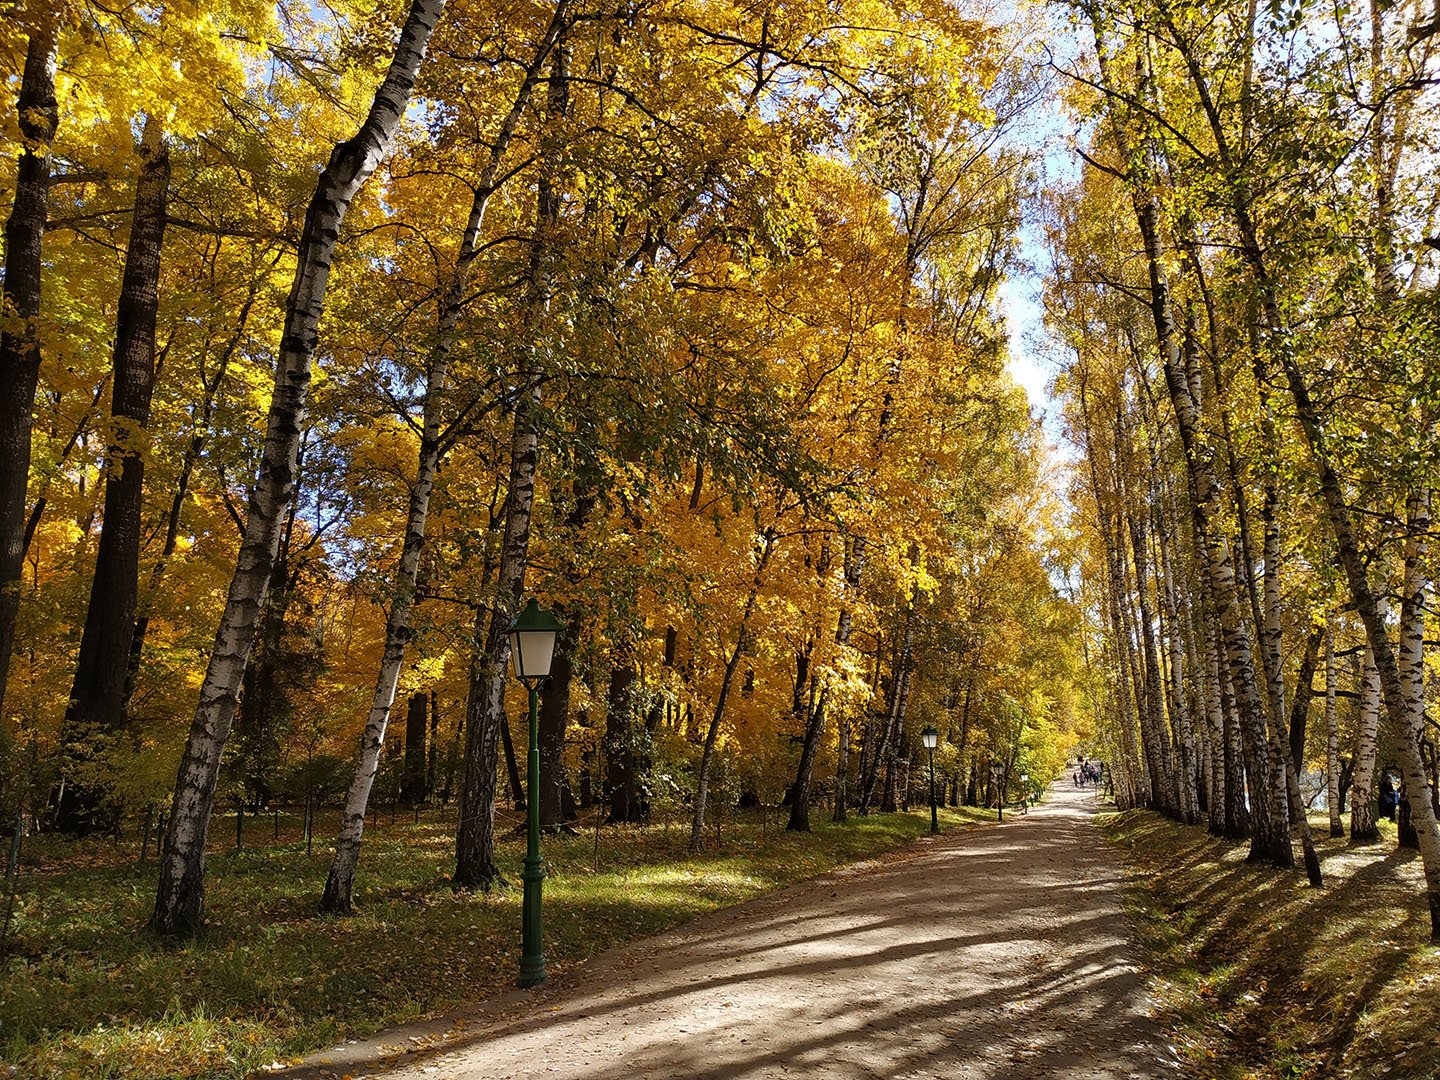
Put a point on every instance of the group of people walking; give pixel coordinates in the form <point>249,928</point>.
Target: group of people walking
<point>1088,774</point>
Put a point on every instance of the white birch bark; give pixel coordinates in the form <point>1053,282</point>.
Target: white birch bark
<point>339,885</point>
<point>1332,736</point>
<point>1412,660</point>
<point>475,836</point>
<point>1363,827</point>
<point>180,895</point>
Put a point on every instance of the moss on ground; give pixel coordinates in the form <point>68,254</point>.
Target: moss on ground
<point>1264,977</point>
<point>85,992</point>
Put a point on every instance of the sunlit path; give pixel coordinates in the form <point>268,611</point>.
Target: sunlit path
<point>996,952</point>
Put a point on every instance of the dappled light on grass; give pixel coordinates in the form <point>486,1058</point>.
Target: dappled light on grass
<point>1267,977</point>
<point>89,994</point>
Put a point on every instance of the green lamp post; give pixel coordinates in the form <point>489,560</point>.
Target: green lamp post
<point>998,772</point>
<point>930,737</point>
<point>532,647</point>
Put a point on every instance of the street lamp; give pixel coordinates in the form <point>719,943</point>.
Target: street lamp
<point>930,737</point>
<point>532,646</point>
<point>1025,789</point>
<point>996,771</point>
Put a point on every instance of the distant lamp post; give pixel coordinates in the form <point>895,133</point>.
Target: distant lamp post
<point>930,737</point>
<point>1025,789</point>
<point>532,647</point>
<point>997,772</point>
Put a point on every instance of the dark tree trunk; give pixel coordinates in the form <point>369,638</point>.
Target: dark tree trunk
<point>39,115</point>
<point>416,717</point>
<point>96,710</point>
<point>622,780</point>
<point>554,712</point>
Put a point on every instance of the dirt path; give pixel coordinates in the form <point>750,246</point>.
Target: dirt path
<point>996,953</point>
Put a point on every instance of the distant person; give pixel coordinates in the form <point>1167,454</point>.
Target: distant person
<point>1389,800</point>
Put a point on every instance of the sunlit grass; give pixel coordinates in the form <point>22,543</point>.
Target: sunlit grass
<point>86,992</point>
<point>1267,978</point>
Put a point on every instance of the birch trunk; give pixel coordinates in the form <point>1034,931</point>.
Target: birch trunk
<point>97,695</point>
<point>1312,423</point>
<point>1368,606</point>
<point>1364,828</point>
<point>1266,840</point>
<point>475,837</point>
<point>1332,737</point>
<point>38,116</point>
<point>1412,652</point>
<point>340,883</point>
<point>1152,724</point>
<point>180,895</point>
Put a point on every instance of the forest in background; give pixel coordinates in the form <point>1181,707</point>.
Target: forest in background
<point>343,328</point>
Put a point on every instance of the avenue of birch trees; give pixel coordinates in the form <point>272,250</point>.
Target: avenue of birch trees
<point>331,332</point>
<point>1246,286</point>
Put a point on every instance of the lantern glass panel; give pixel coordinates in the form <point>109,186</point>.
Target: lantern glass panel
<point>531,652</point>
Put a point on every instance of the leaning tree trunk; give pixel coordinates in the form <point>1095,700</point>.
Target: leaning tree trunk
<point>180,895</point>
<point>1367,605</point>
<point>97,696</point>
<point>722,697</point>
<point>340,883</point>
<point>475,838</point>
<point>38,115</point>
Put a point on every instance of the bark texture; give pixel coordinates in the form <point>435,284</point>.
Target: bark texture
<point>39,116</point>
<point>96,709</point>
<point>180,895</point>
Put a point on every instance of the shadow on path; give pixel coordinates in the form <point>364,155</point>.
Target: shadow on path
<point>997,953</point>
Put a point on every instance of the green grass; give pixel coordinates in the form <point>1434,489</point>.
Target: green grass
<point>1263,977</point>
<point>86,992</point>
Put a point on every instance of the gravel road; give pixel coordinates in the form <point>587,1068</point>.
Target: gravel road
<point>998,952</point>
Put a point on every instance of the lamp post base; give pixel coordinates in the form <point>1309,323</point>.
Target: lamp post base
<point>532,958</point>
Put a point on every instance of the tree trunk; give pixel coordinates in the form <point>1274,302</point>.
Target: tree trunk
<point>1332,737</point>
<point>180,895</point>
<point>707,754</point>
<point>200,435</point>
<point>38,115</point>
<point>622,785</point>
<point>1367,605</point>
<point>417,712</point>
<point>554,713</point>
<point>96,710</point>
<point>433,443</point>
<point>1412,660</point>
<point>475,838</point>
<point>1364,827</point>
<point>1267,841</point>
